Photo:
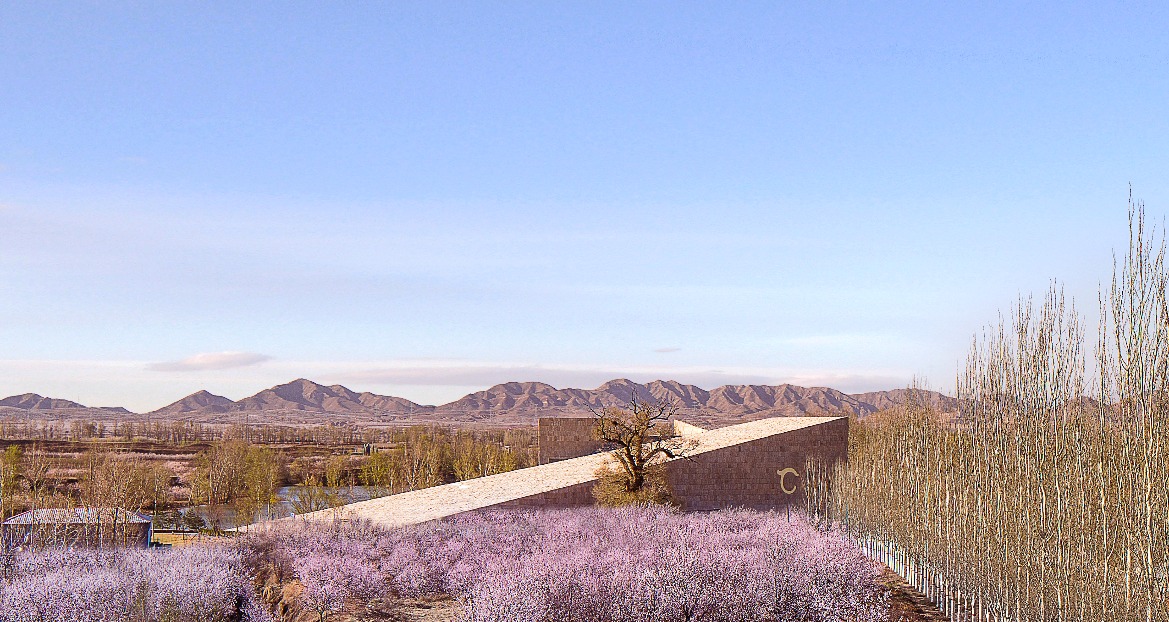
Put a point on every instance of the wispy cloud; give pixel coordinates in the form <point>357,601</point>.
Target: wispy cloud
<point>211,361</point>
<point>666,350</point>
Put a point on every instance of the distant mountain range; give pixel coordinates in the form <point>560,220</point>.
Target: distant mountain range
<point>34,402</point>
<point>508,403</point>
<point>300,394</point>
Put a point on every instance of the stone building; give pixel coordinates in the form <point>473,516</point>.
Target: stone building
<point>758,464</point>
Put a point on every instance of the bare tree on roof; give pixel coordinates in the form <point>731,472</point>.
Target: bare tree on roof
<point>642,437</point>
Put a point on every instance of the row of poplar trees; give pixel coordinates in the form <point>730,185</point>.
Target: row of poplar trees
<point>1046,497</point>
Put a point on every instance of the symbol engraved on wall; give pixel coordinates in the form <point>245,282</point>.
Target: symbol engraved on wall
<point>783,473</point>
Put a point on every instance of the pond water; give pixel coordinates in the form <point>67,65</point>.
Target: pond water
<point>225,517</point>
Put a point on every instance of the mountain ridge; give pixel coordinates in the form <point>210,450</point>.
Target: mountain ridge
<point>512,402</point>
<point>34,401</point>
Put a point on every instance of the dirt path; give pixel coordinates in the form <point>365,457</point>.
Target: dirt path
<point>907,604</point>
<point>444,610</point>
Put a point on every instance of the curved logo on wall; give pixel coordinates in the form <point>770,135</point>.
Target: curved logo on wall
<point>783,473</point>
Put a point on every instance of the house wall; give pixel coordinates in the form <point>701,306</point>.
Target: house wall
<point>74,534</point>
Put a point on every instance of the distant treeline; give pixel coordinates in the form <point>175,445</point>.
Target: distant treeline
<point>183,432</point>
<point>243,469</point>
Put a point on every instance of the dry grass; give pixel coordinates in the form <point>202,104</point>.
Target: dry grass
<point>906,603</point>
<point>176,539</point>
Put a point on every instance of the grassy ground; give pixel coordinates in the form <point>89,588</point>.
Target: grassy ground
<point>176,539</point>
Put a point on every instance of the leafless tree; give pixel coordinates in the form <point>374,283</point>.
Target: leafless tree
<point>10,463</point>
<point>311,497</point>
<point>35,469</point>
<point>642,438</point>
<point>424,459</point>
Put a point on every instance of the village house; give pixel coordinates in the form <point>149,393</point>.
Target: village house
<point>96,527</point>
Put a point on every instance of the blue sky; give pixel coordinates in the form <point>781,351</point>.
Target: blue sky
<point>423,199</point>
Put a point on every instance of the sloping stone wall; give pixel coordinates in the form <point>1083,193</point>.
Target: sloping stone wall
<point>572,496</point>
<point>686,430</point>
<point>750,474</point>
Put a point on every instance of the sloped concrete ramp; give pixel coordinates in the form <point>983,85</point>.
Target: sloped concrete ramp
<point>739,465</point>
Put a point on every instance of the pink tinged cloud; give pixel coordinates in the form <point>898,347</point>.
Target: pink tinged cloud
<point>211,361</point>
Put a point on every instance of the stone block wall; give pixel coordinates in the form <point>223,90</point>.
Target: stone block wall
<point>571,496</point>
<point>561,438</point>
<point>749,474</point>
